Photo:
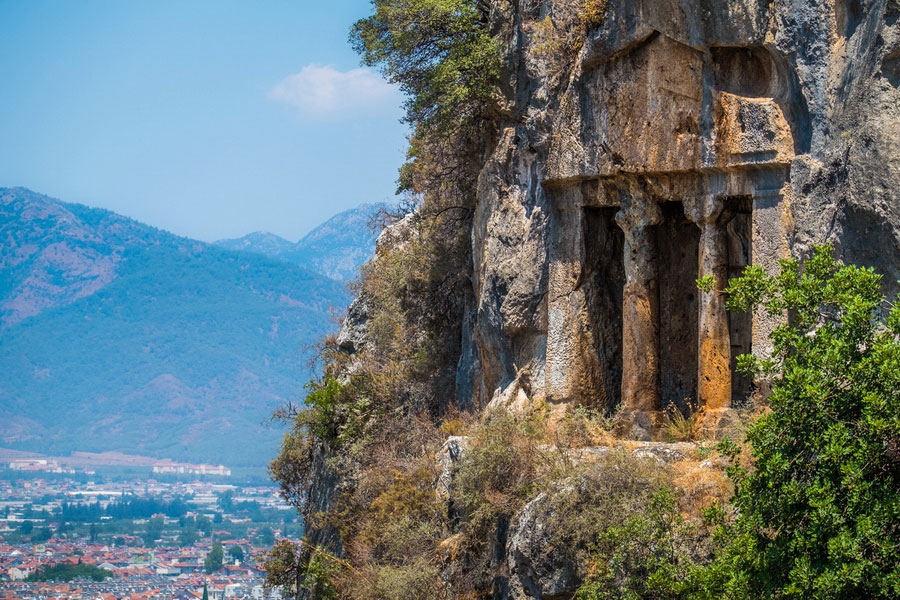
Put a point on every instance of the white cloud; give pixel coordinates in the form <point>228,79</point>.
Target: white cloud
<point>320,89</point>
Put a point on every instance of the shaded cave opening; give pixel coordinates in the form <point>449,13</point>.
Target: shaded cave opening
<point>604,282</point>
<point>677,242</point>
<point>738,215</point>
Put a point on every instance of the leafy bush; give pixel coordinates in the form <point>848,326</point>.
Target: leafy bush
<point>322,416</point>
<point>317,577</point>
<point>651,553</point>
<point>599,495</point>
<point>818,512</point>
<point>284,567</point>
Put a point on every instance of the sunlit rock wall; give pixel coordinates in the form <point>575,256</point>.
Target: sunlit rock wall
<point>672,140</point>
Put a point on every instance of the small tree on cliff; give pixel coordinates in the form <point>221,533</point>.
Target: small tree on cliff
<point>290,572</point>
<point>438,51</point>
<point>819,509</point>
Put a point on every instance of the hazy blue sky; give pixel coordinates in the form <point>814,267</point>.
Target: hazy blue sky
<point>208,118</point>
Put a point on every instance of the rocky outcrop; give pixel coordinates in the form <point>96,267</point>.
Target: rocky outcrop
<point>533,566</point>
<point>683,139</point>
<point>537,570</point>
<point>447,461</point>
<point>658,143</point>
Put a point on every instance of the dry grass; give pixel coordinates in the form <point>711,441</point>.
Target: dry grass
<point>700,487</point>
<point>681,427</point>
<point>401,536</point>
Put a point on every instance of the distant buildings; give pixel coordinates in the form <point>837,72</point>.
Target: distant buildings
<point>168,466</point>
<point>47,465</point>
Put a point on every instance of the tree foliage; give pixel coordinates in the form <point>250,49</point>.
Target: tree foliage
<point>284,567</point>
<point>651,553</point>
<point>213,561</point>
<point>68,572</point>
<point>819,510</point>
<point>290,572</point>
<point>439,52</point>
<point>236,552</point>
<point>129,507</point>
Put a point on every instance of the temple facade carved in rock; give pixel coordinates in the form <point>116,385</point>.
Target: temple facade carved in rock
<point>695,163</point>
<point>687,139</point>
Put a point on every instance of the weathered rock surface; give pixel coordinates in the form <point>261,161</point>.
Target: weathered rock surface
<point>685,138</point>
<point>536,568</point>
<point>447,461</point>
<point>663,454</point>
<point>351,337</point>
<point>325,487</point>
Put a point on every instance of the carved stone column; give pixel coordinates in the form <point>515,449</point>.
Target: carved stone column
<point>640,314</point>
<point>714,352</point>
<point>564,300</point>
<point>714,360</point>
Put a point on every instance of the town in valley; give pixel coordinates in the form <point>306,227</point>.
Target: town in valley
<point>173,533</point>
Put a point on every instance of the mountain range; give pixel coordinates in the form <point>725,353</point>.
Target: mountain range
<point>117,336</point>
<point>335,248</point>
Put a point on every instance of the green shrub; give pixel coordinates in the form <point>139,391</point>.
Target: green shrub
<point>599,495</point>
<point>650,552</point>
<point>818,512</point>
<point>288,571</point>
<point>317,577</point>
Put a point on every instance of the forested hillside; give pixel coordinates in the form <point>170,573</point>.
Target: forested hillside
<point>117,335</point>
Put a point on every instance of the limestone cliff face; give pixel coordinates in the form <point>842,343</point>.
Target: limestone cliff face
<point>656,143</point>
<point>681,139</point>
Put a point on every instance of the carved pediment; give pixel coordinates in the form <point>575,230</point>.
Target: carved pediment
<point>661,106</point>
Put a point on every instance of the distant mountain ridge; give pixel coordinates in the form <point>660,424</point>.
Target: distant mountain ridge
<point>261,242</point>
<point>115,335</point>
<point>336,248</point>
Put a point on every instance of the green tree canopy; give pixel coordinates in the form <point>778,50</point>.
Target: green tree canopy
<point>237,553</point>
<point>819,510</point>
<point>68,572</point>
<point>266,536</point>
<point>187,537</point>
<point>438,51</point>
<point>213,561</point>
